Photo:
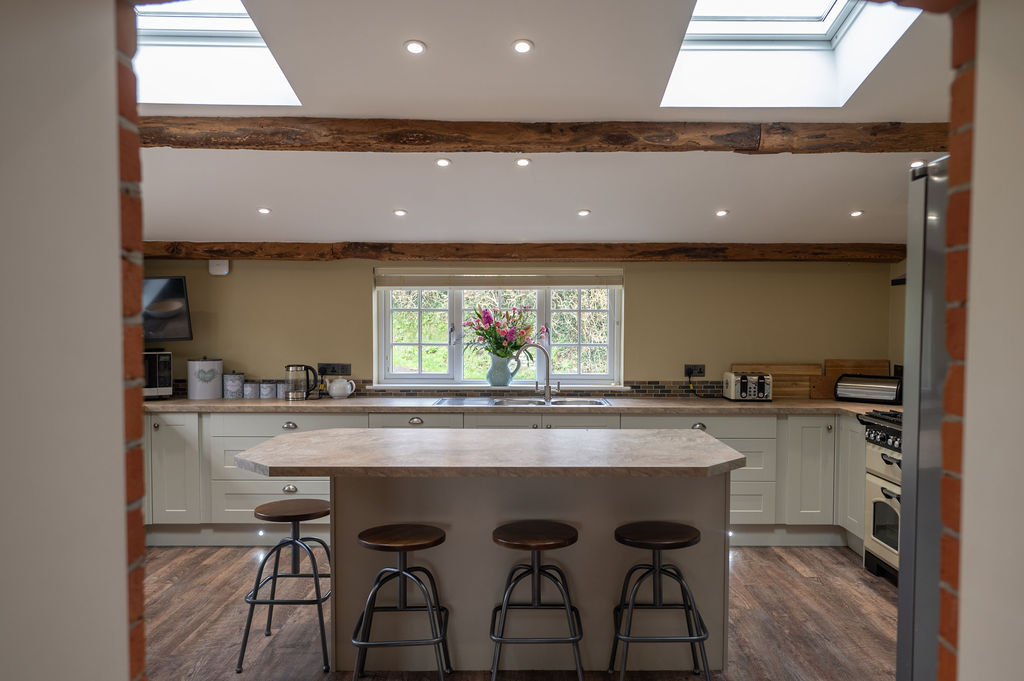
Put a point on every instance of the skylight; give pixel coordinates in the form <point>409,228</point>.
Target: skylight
<point>778,20</point>
<point>206,52</point>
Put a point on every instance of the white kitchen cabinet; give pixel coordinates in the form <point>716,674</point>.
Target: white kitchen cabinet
<point>761,459</point>
<point>810,470</point>
<point>721,427</point>
<point>234,500</point>
<point>751,503</point>
<point>269,425</point>
<point>850,470</point>
<point>587,421</point>
<point>502,420</point>
<point>175,469</point>
<point>424,420</point>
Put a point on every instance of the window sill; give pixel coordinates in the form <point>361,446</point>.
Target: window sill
<point>489,388</point>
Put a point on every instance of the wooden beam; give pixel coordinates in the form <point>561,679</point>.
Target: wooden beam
<point>393,135</point>
<point>526,252</point>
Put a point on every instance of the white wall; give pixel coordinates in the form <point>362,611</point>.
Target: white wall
<point>63,592</point>
<point>992,593</point>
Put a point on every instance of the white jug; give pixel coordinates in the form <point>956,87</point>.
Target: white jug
<point>340,387</point>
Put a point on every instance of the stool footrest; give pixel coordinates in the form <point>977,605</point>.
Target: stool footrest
<point>440,638</point>
<point>526,639</point>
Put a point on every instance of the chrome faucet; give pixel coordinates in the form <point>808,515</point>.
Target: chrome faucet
<point>547,371</point>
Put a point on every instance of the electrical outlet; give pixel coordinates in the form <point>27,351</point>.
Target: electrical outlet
<point>693,370</point>
<point>333,369</point>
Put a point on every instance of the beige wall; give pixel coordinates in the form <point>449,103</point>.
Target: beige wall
<point>266,314</point>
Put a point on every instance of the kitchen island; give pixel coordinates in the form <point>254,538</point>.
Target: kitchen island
<point>469,481</point>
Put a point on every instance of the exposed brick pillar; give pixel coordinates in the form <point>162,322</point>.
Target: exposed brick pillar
<point>131,292</point>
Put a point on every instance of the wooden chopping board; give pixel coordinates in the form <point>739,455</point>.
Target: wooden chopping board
<point>788,380</point>
<point>823,387</point>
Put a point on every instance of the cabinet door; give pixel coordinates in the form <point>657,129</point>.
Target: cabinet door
<point>760,460</point>
<point>734,427</point>
<point>751,503</point>
<point>810,470</point>
<point>233,501</point>
<point>850,470</point>
<point>501,420</point>
<point>580,421</point>
<point>174,467</point>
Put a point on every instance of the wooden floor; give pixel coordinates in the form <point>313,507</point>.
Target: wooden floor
<point>796,614</point>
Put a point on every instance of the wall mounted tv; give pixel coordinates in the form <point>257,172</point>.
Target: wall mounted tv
<point>165,315</point>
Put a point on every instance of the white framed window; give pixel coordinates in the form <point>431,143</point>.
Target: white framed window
<point>421,338</point>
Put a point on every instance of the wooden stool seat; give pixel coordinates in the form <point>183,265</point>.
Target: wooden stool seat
<point>401,537</point>
<point>292,510</point>
<point>535,535</point>
<point>657,535</point>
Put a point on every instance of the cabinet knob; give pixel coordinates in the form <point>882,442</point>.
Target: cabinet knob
<point>289,425</point>
<point>698,426</point>
<point>828,427</point>
<point>535,426</point>
<point>547,425</point>
<point>156,426</point>
<point>289,489</point>
<point>415,421</point>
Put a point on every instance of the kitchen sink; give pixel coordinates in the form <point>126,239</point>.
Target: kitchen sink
<point>518,402</point>
<point>521,402</point>
<point>580,401</point>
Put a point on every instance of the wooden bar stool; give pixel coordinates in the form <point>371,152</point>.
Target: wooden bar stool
<point>536,536</point>
<point>657,536</point>
<point>402,539</point>
<point>292,511</point>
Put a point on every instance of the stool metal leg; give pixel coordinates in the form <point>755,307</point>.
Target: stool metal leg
<point>690,609</point>
<point>273,591</point>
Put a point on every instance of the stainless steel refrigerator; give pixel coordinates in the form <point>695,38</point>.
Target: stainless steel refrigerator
<point>925,365</point>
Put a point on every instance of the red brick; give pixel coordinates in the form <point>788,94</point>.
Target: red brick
<point>961,146</point>
<point>126,28</point>
<point>126,97</point>
<point>962,96</point>
<point>953,391</point>
<point>135,479</point>
<point>131,289</point>
<point>956,331</point>
<point>132,414</point>
<point>948,609</point>
<point>131,222</point>
<point>950,502</point>
<point>952,446</point>
<point>132,351</point>
<point>965,33</point>
<point>958,219</point>
<point>949,560</point>
<point>956,277</point>
<point>131,167</point>
<point>136,536</point>
<point>137,651</point>
<point>947,665</point>
<point>136,594</point>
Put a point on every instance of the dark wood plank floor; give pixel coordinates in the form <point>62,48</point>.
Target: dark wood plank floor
<point>796,614</point>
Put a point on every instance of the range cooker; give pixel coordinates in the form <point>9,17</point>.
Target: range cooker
<point>883,432</point>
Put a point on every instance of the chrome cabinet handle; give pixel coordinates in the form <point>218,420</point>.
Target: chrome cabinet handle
<point>891,461</point>
<point>156,426</point>
<point>416,421</point>
<point>547,425</point>
<point>889,494</point>
<point>698,426</point>
<point>828,427</point>
<point>289,425</point>
<point>535,426</point>
<point>289,489</point>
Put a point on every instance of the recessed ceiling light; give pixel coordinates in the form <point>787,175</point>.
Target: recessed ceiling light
<point>415,47</point>
<point>721,213</point>
<point>522,46</point>
<point>522,162</point>
<point>400,213</point>
<point>443,162</point>
<point>917,164</point>
<point>584,212</point>
<point>856,213</point>
<point>263,211</point>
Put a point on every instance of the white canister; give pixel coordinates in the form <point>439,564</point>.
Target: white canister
<point>205,378</point>
<point>233,386</point>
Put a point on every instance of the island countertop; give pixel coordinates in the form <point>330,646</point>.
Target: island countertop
<point>514,453</point>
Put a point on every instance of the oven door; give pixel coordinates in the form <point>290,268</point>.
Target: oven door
<point>882,518</point>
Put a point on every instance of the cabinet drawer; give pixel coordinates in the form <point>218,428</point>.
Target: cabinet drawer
<point>234,500</point>
<point>221,455</point>
<point>752,503</point>
<point>502,420</point>
<point>268,425</point>
<point>580,421</point>
<point>761,459</point>
<point>734,427</point>
<point>410,420</point>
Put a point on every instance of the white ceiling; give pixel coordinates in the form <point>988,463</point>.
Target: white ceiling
<point>594,60</point>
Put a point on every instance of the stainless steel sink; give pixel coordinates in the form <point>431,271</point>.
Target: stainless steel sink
<point>518,402</point>
<point>581,401</point>
<point>521,402</point>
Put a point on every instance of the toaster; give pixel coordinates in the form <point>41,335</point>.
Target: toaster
<point>756,387</point>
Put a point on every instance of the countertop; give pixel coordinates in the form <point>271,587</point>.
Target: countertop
<point>456,452</point>
<point>620,405</point>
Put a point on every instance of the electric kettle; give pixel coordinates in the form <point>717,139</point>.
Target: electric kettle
<point>301,381</point>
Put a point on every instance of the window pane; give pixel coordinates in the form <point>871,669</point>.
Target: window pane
<point>594,360</point>
<point>594,298</point>
<point>593,327</point>
<point>528,370</point>
<point>404,327</point>
<point>405,299</point>
<point>405,359</point>
<point>488,299</point>
<point>518,298</point>
<point>436,299</point>
<point>435,359</point>
<point>564,299</point>
<point>563,359</point>
<point>435,327</point>
<point>563,327</point>
<point>475,364</point>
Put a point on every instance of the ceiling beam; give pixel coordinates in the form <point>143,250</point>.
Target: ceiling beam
<point>526,252</point>
<point>395,135</point>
